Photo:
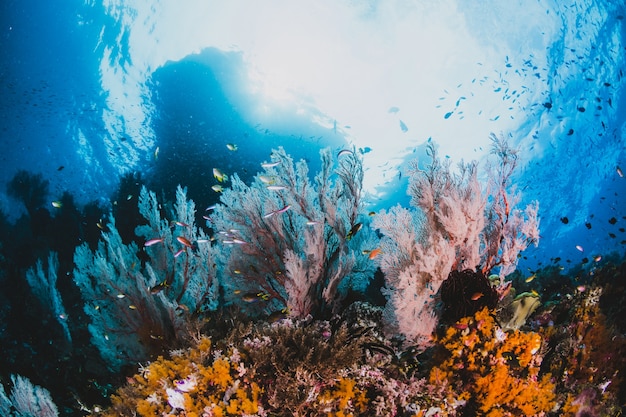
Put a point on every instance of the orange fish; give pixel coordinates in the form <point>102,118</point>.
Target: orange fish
<point>477,296</point>
<point>184,241</point>
<point>375,253</point>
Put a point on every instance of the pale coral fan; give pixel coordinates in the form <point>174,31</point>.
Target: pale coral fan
<point>137,308</point>
<point>27,399</point>
<point>43,283</point>
<point>457,226</point>
<point>291,238</point>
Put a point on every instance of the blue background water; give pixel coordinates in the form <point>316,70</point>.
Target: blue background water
<point>61,107</point>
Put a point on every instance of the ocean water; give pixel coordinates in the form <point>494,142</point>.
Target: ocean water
<point>94,91</point>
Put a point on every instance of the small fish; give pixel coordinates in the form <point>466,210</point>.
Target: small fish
<point>403,127</point>
<point>269,164</point>
<point>619,172</point>
<point>375,253</point>
<point>57,204</point>
<point>581,288</point>
<point>60,168</point>
<point>253,297</point>
<point>371,213</point>
<point>265,179</point>
<point>344,152</point>
<point>179,252</point>
<point>231,147</point>
<point>100,224</point>
<point>121,296</point>
<point>132,307</point>
<point>278,315</point>
<point>279,211</point>
<point>239,241</point>
<point>580,248</point>
<point>217,188</point>
<point>211,207</point>
<point>156,153</point>
<point>597,258</point>
<point>184,241</point>
<point>219,175</point>
<point>181,224</point>
<point>530,278</point>
<point>158,288</point>
<point>312,223</point>
<point>477,296</point>
<point>153,241</point>
<point>354,231</point>
<point>276,187</point>
<point>129,197</point>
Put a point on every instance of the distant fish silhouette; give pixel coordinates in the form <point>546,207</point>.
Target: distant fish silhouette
<point>403,127</point>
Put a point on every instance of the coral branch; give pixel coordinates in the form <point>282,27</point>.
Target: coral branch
<point>291,238</point>
<point>457,226</point>
<point>138,309</point>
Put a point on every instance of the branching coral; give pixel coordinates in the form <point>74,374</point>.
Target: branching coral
<point>495,372</point>
<point>283,369</point>
<point>138,308</point>
<point>457,226</point>
<point>290,239</point>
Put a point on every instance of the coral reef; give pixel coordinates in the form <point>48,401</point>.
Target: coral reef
<point>495,373</point>
<point>140,308</point>
<point>290,240</point>
<point>457,226</point>
<point>586,355</point>
<point>281,369</point>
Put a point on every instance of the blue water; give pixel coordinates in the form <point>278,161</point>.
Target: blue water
<point>77,107</point>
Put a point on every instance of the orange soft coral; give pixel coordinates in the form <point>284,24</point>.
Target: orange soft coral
<point>497,371</point>
<point>196,381</point>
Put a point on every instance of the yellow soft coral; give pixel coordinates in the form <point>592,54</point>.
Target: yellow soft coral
<point>497,370</point>
<point>195,380</point>
<point>344,398</point>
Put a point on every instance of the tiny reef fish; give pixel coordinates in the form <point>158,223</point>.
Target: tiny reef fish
<point>266,179</point>
<point>279,211</point>
<point>184,241</point>
<point>217,188</point>
<point>477,296</point>
<point>231,147</point>
<point>355,229</point>
<point>253,297</point>
<point>375,253</point>
<point>530,278</point>
<point>219,175</point>
<point>153,241</point>
<point>177,223</point>
<point>269,164</point>
<point>276,187</point>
